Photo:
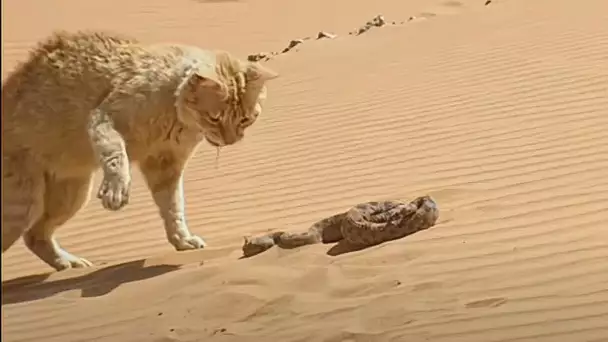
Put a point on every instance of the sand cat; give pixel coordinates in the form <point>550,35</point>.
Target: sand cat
<point>89,100</point>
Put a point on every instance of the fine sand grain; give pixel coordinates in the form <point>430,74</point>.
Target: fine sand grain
<point>499,112</point>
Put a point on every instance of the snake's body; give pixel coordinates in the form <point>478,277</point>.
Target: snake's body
<point>365,224</point>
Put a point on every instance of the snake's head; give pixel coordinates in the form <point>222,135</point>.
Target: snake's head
<point>421,213</point>
<point>427,212</point>
<point>257,245</point>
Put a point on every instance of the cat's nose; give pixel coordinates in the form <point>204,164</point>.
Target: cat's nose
<point>230,136</point>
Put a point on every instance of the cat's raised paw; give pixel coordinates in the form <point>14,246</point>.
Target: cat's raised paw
<point>114,192</point>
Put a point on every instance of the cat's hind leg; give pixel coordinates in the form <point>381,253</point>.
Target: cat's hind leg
<point>22,198</point>
<point>63,199</point>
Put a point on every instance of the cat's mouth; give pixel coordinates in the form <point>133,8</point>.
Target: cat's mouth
<point>213,142</point>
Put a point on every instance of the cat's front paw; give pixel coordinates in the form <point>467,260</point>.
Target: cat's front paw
<point>114,192</point>
<point>189,242</point>
<point>68,261</point>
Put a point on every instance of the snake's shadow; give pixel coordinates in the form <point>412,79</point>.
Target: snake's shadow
<point>343,247</point>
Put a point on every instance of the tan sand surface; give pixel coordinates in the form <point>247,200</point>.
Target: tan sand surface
<point>499,112</point>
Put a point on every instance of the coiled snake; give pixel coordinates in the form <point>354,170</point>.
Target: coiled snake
<point>363,225</point>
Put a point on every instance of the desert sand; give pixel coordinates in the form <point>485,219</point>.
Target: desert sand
<point>499,112</point>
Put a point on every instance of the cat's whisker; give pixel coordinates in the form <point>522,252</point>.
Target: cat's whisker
<point>217,157</point>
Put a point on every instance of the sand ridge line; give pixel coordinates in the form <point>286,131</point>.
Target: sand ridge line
<point>377,21</point>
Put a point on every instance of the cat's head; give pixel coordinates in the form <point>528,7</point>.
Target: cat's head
<point>225,101</point>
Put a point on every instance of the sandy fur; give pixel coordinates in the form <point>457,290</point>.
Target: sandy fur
<point>91,99</point>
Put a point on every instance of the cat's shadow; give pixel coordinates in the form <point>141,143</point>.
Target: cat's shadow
<point>93,284</point>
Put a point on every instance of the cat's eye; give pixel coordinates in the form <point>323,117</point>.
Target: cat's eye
<point>244,121</point>
<point>214,119</point>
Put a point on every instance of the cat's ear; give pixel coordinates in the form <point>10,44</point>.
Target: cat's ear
<point>255,72</point>
<point>204,93</point>
<point>246,238</point>
<point>208,85</point>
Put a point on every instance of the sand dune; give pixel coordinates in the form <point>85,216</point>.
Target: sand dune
<point>499,112</point>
